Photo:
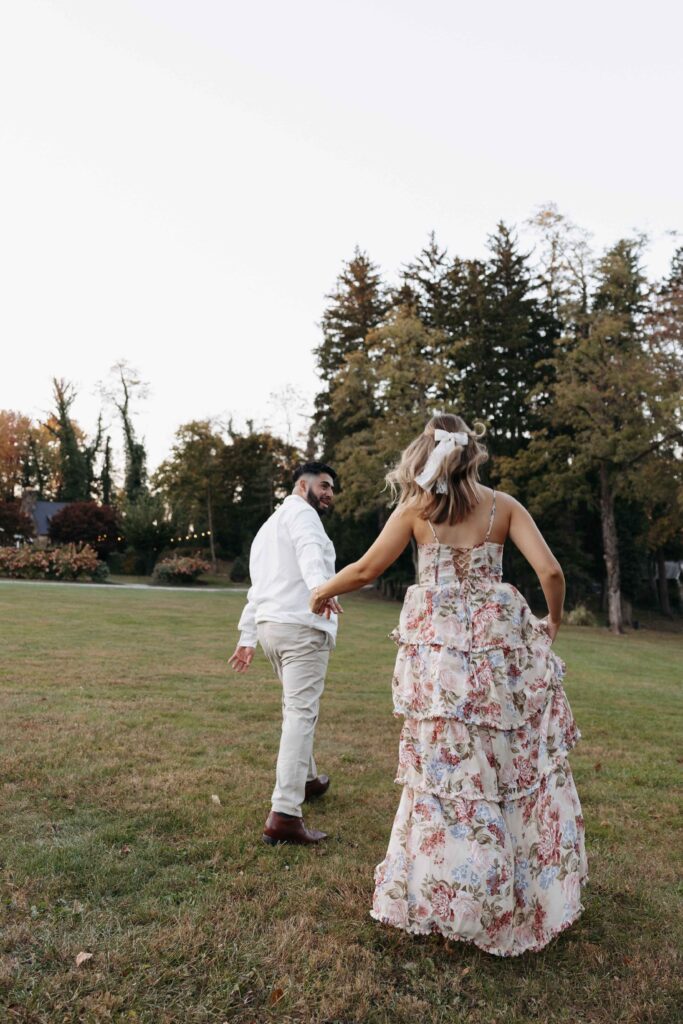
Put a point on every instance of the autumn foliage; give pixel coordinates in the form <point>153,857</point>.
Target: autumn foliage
<point>86,522</point>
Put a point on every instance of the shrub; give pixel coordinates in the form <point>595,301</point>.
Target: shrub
<point>101,573</point>
<point>581,616</point>
<point>240,570</point>
<point>63,563</point>
<point>147,527</point>
<point>177,571</point>
<point>127,563</point>
<point>86,522</point>
<point>13,521</point>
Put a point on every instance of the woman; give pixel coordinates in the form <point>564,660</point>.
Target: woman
<point>488,842</point>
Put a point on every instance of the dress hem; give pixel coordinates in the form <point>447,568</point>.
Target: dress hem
<point>415,929</point>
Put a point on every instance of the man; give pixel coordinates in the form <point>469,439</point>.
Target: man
<point>292,555</point>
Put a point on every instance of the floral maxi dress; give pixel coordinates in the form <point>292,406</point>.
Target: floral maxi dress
<point>488,841</point>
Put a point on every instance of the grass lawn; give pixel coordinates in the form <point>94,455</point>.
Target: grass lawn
<point>120,720</point>
<point>206,580</point>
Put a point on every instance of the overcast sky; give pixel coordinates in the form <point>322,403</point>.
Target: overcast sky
<point>182,180</point>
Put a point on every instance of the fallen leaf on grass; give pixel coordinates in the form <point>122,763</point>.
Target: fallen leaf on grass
<point>598,766</point>
<point>275,996</point>
<point>82,957</point>
<point>215,799</point>
<point>124,851</point>
<point>464,971</point>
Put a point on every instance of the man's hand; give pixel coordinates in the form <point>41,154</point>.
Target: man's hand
<point>242,658</point>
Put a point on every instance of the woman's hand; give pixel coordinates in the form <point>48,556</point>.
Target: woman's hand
<point>320,605</point>
<point>553,628</point>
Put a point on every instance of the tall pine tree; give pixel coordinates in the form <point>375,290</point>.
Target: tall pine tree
<point>518,340</point>
<point>358,304</point>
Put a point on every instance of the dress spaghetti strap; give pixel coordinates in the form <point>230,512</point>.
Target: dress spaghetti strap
<point>491,517</point>
<point>431,527</point>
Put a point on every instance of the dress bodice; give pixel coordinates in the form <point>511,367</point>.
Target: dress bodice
<point>440,563</point>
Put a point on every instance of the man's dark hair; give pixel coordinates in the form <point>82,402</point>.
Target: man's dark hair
<point>313,469</point>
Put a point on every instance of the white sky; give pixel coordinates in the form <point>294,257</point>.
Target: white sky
<point>180,181</point>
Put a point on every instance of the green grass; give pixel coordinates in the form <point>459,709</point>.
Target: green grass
<point>120,719</point>
<point>205,580</point>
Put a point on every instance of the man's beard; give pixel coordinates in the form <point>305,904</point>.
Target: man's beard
<point>314,500</point>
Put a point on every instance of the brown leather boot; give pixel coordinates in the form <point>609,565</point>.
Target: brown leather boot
<point>282,828</point>
<point>316,787</point>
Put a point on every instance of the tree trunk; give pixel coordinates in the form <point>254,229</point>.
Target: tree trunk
<point>611,550</point>
<point>662,585</point>
<point>212,547</point>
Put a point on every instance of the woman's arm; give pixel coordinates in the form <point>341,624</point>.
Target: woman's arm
<point>528,538</point>
<point>386,549</point>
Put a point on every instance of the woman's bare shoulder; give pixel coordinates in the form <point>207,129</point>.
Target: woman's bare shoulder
<point>505,500</point>
<point>408,515</point>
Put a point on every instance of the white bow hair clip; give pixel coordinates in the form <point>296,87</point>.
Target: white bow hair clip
<point>446,442</point>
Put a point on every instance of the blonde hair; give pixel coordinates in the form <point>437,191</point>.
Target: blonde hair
<point>460,471</point>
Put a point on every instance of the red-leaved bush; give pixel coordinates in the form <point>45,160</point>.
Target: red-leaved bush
<point>14,522</point>
<point>86,522</point>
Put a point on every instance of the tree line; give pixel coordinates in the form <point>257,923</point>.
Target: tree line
<point>572,358</point>
<point>214,490</point>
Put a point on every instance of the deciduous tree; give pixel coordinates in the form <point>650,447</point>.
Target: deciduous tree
<point>125,388</point>
<point>15,434</point>
<point>191,478</point>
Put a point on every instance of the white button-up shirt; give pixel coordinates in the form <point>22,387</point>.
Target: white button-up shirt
<point>290,556</point>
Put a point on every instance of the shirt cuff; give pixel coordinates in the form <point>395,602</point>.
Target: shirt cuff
<point>247,639</point>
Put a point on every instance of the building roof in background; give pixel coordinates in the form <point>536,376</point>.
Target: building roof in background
<point>43,512</point>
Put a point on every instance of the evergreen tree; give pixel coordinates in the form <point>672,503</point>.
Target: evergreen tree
<point>432,289</point>
<point>358,303</point>
<point>659,482</point>
<point>401,381</point>
<point>519,341</point>
<point>616,400</point>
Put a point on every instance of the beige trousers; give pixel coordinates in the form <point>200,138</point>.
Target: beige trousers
<point>299,655</point>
